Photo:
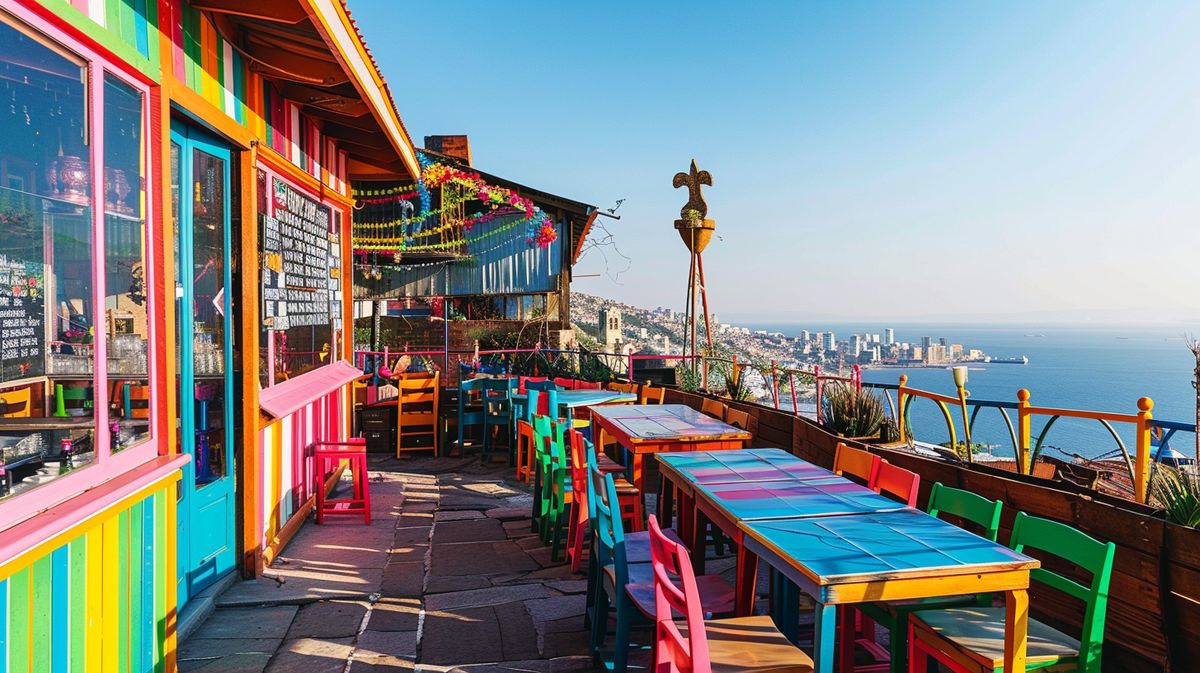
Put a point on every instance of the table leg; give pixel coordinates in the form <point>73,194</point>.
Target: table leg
<point>666,493</point>
<point>687,517</point>
<point>747,576</point>
<point>638,475</point>
<point>824,630</point>
<point>1016,629</point>
<point>696,540</point>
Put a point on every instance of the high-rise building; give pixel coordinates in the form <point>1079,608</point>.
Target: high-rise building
<point>830,341</point>
<point>889,336</point>
<point>942,341</point>
<point>804,336</point>
<point>856,345</point>
<point>926,342</point>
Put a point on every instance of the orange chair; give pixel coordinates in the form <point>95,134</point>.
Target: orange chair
<point>651,395</point>
<point>696,645</point>
<point>417,413</point>
<point>628,498</point>
<point>16,403</point>
<point>714,408</point>
<point>857,463</point>
<point>738,419</point>
<point>326,456</point>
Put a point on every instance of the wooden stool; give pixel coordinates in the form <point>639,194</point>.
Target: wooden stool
<point>355,451</point>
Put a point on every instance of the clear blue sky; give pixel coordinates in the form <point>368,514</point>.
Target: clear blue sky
<point>890,160</point>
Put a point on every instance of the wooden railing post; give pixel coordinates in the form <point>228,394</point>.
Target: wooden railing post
<point>900,402</point>
<point>1142,459</point>
<point>1023,432</point>
<point>820,394</point>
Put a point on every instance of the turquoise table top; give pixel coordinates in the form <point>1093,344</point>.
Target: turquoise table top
<point>725,467</point>
<point>573,399</point>
<point>904,544</point>
<point>833,496</point>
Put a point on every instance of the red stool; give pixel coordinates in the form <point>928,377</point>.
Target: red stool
<point>355,451</point>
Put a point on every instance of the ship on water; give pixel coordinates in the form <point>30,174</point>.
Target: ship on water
<point>1019,360</point>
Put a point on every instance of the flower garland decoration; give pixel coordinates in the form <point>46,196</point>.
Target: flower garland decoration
<point>405,233</point>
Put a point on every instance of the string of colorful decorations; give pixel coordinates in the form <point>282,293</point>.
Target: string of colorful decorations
<point>404,234</point>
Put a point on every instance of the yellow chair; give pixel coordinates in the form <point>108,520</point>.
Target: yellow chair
<point>417,413</point>
<point>16,403</point>
<point>651,395</point>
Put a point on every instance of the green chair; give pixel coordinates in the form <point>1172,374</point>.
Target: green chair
<point>547,441</point>
<point>969,508</point>
<point>971,639</point>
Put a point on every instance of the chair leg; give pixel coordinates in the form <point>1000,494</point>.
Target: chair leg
<point>621,637</point>
<point>366,490</point>
<point>599,618</point>
<point>575,536</point>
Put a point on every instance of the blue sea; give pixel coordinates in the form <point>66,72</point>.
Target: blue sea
<point>1078,367</point>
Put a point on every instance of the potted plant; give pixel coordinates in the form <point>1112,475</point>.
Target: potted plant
<point>852,412</point>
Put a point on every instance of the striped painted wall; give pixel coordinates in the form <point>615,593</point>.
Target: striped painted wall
<point>97,603</point>
<point>287,474</point>
<point>204,61</point>
<point>133,22</point>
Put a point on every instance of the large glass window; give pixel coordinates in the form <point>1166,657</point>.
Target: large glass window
<point>64,285</point>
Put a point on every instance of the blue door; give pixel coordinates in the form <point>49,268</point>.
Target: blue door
<point>200,181</point>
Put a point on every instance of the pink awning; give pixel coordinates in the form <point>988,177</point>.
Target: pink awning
<point>284,398</point>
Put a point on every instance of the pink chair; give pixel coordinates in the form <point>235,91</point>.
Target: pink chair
<point>694,645</point>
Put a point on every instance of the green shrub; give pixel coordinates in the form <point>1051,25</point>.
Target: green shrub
<point>1178,494</point>
<point>851,412</point>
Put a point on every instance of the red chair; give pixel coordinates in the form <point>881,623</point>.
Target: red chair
<point>897,482</point>
<point>693,645</point>
<point>522,380</point>
<point>326,456</point>
<point>588,385</point>
<point>564,383</point>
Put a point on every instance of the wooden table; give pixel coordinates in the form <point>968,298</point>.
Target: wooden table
<point>643,429</point>
<point>882,556</point>
<point>836,541</point>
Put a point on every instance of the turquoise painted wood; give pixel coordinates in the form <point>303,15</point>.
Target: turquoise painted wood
<point>659,422</point>
<point>575,399</point>
<point>755,501</point>
<point>860,547</point>
<point>207,528</point>
<point>727,467</point>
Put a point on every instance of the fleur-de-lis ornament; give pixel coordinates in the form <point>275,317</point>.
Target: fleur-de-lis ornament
<point>693,179</point>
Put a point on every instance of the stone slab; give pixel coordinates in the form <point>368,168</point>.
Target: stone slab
<point>557,607</point>
<point>328,619</point>
<point>487,597</point>
<point>255,662</point>
<point>243,623</point>
<point>442,585</point>
<point>519,638</point>
<point>457,515</point>
<point>395,614</point>
<point>312,656</point>
<point>465,636</point>
<point>399,644</point>
<point>403,580</point>
<point>477,530</point>
<point>479,558</point>
<point>215,648</point>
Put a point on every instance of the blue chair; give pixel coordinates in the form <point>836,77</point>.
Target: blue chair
<point>470,410</point>
<point>497,414</point>
<point>622,577</point>
<point>550,389</point>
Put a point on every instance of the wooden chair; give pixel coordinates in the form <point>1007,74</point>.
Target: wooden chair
<point>470,410</point>
<point>629,500</point>
<point>968,508</point>
<point>651,395</point>
<point>693,645</point>
<point>852,462</point>
<point>522,382</point>
<point>738,419</point>
<point>628,586</point>
<point>16,403</point>
<point>897,482</point>
<point>417,413</point>
<point>564,383</point>
<point>525,439</point>
<point>971,639</point>
<point>498,416</point>
<point>714,408</point>
<point>587,385</point>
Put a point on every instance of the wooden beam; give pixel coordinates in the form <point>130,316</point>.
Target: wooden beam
<point>282,11</point>
<point>357,122</point>
<point>319,98</point>
<point>290,66</point>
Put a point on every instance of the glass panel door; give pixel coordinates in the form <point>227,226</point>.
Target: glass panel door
<point>201,183</point>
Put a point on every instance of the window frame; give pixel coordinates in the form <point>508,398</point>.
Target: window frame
<point>105,465</point>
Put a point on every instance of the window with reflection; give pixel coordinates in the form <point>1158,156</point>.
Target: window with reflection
<point>126,317</point>
<point>47,316</point>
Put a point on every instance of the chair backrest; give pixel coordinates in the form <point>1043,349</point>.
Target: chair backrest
<point>851,462</point>
<point>579,464</point>
<point>622,387</point>
<point>523,380</point>
<point>714,408</point>
<point>533,399</point>
<point>587,385</point>
<point>564,383</point>
<point>548,404</point>
<point>738,419</point>
<point>609,531</point>
<point>651,395</point>
<point>968,506</point>
<point>469,392</point>
<point>897,482</point>
<point>1085,552</point>
<point>418,389</point>
<point>16,403</point>
<point>671,563</point>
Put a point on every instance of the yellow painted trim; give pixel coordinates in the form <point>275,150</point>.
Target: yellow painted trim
<point>95,595</point>
<point>169,585</point>
<point>927,587</point>
<point>206,112</point>
<point>111,602</point>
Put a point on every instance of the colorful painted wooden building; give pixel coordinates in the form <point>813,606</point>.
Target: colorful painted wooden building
<point>175,223</point>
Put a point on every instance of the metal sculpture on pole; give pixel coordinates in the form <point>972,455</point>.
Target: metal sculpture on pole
<point>696,231</point>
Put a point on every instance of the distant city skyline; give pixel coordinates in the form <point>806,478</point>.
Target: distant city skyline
<point>1006,162</point>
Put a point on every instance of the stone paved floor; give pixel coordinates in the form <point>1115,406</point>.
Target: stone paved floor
<point>447,577</point>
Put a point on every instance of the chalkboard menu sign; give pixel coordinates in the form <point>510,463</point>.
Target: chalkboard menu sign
<point>22,319</point>
<point>296,261</point>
